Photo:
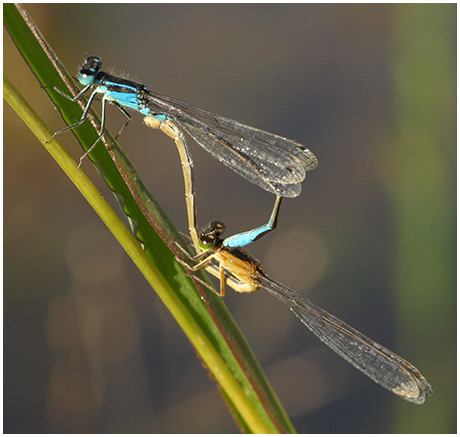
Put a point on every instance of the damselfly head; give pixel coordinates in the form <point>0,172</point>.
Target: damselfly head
<point>210,237</point>
<point>89,70</point>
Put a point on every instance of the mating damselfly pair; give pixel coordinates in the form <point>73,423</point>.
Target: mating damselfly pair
<point>274,163</point>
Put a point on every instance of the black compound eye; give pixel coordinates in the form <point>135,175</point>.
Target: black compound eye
<point>207,239</point>
<point>87,72</point>
<point>91,66</point>
<point>93,60</point>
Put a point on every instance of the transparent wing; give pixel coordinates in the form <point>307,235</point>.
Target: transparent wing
<point>274,163</point>
<point>374,360</point>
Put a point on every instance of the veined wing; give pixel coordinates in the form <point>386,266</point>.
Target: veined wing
<point>374,360</point>
<point>274,163</point>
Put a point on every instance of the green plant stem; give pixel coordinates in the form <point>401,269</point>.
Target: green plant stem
<point>154,276</point>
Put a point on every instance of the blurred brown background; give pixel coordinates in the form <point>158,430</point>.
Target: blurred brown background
<point>370,89</point>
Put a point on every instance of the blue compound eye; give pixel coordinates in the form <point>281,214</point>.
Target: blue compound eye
<point>85,78</point>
